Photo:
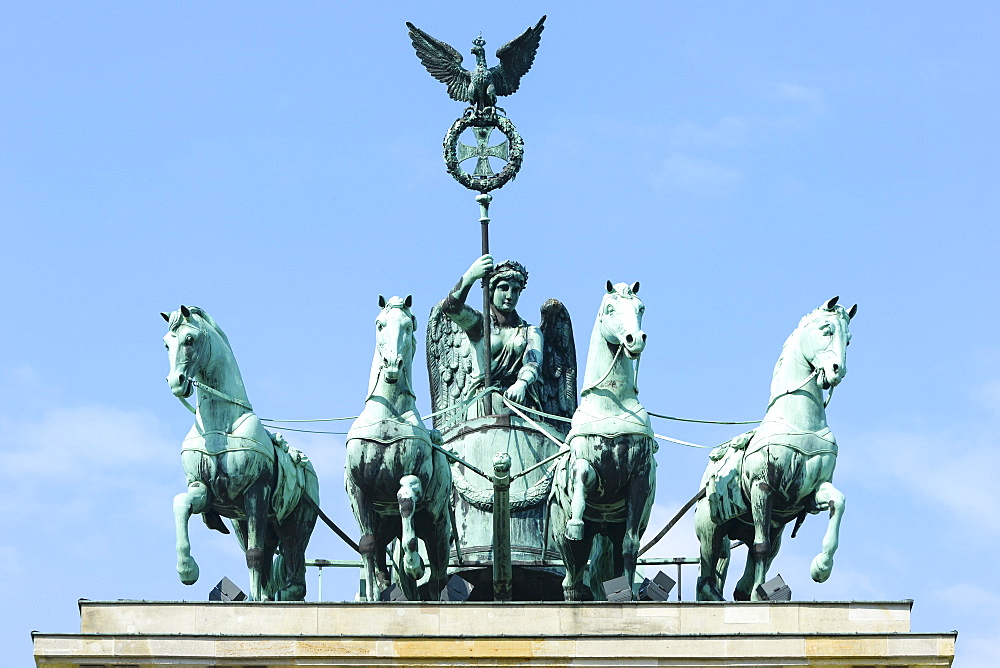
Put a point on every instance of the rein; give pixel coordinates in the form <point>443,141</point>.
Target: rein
<point>221,395</point>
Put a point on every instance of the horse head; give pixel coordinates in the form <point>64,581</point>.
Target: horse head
<point>620,318</point>
<point>188,349</point>
<point>395,343</point>
<point>823,338</point>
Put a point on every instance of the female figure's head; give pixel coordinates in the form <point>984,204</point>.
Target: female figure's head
<point>506,283</point>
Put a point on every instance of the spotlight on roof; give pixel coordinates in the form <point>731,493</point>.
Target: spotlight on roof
<point>657,589</point>
<point>457,590</point>
<point>393,593</point>
<point>226,591</point>
<point>775,589</point>
<point>618,589</point>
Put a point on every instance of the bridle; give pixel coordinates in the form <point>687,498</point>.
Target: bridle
<point>208,388</point>
<point>810,377</point>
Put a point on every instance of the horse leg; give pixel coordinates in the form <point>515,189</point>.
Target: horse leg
<point>828,496</point>
<point>367,544</point>
<point>256,503</point>
<point>569,551</point>
<point>638,504</point>
<point>582,480</point>
<point>710,542</point>
<point>294,534</point>
<point>745,587</point>
<point>760,506</point>
<point>436,532</point>
<point>188,503</point>
<point>409,495</point>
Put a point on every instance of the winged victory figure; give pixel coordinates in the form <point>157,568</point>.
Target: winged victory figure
<point>481,86</point>
<point>542,360</point>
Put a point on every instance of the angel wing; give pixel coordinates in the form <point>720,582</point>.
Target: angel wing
<point>557,391</point>
<point>445,63</point>
<point>449,366</point>
<point>516,58</point>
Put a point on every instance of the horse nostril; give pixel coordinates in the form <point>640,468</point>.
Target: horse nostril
<point>629,339</point>
<point>836,368</point>
<point>180,378</point>
<point>644,337</point>
<point>399,363</point>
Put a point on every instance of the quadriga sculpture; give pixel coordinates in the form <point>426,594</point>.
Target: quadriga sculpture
<point>605,487</point>
<point>398,485</point>
<point>235,468</point>
<point>761,480</point>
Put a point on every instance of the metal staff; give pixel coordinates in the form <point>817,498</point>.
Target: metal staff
<point>484,200</point>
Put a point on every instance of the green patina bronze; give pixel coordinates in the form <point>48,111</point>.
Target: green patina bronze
<point>759,481</point>
<point>603,490</point>
<point>534,366</point>
<point>235,468</point>
<point>480,87</point>
<point>398,484</point>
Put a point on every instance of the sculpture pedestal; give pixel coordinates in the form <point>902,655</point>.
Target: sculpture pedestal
<point>134,633</point>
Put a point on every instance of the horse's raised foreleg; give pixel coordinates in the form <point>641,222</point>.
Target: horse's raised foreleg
<point>760,506</point>
<point>582,479</point>
<point>409,495</point>
<point>828,496</point>
<point>188,503</point>
<point>256,502</point>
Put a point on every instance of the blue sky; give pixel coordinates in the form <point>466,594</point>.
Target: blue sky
<point>280,167</point>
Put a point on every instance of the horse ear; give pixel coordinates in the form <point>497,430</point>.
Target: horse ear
<point>381,301</point>
<point>185,312</point>
<point>611,288</point>
<point>166,316</point>
<point>830,303</point>
<point>635,288</point>
<point>853,311</point>
<point>408,302</point>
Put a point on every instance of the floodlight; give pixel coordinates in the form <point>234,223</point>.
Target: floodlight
<point>226,591</point>
<point>618,589</point>
<point>457,590</point>
<point>393,593</point>
<point>657,589</point>
<point>775,589</point>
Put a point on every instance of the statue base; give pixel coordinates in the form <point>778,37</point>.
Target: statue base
<point>132,633</point>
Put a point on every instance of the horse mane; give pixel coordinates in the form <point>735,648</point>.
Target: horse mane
<point>176,319</point>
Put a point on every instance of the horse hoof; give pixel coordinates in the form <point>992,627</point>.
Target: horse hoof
<point>574,530</point>
<point>414,567</point>
<point>187,568</point>
<point>291,593</point>
<point>821,568</point>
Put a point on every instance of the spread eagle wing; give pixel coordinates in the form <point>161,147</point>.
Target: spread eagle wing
<point>558,377</point>
<point>444,63</point>
<point>516,57</point>
<point>449,367</point>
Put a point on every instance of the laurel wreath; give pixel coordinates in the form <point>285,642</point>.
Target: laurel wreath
<point>515,146</point>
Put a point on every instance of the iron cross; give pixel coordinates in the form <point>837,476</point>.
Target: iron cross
<point>483,151</point>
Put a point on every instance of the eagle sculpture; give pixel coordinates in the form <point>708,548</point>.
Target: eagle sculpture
<point>481,86</point>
